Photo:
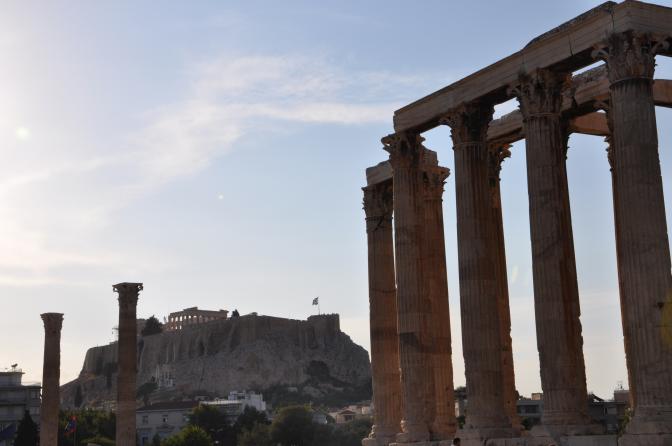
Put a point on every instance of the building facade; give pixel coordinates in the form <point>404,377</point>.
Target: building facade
<point>15,399</point>
<point>162,419</point>
<point>236,402</point>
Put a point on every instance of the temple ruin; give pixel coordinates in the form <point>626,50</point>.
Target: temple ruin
<point>192,316</point>
<point>410,326</point>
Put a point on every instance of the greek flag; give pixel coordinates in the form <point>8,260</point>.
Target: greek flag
<point>316,301</point>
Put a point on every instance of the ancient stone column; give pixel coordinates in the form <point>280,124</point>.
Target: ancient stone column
<point>443,425</point>
<point>642,241</point>
<point>496,155</point>
<point>413,308</point>
<point>51,372</point>
<point>479,288</point>
<point>127,362</point>
<point>556,293</point>
<point>383,315</point>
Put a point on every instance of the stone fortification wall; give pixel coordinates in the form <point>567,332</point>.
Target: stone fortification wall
<point>247,352</point>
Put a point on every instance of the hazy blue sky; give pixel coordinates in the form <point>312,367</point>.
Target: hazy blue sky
<point>215,151</point>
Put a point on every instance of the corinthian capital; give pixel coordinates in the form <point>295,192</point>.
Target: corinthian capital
<point>540,92</point>
<point>128,292</point>
<point>469,122</point>
<point>630,55</point>
<point>405,149</point>
<point>434,179</point>
<point>378,200</point>
<point>497,153</point>
<point>53,322</point>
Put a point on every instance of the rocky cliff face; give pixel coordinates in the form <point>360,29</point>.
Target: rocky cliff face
<point>245,353</point>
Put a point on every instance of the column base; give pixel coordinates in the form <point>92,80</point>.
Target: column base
<point>497,436</point>
<point>650,426</point>
<point>566,430</point>
<point>425,443</point>
<point>378,440</point>
<point>574,440</point>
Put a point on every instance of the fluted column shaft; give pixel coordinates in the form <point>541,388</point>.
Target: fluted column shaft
<point>481,340</point>
<point>414,318</point>
<point>645,280</point>
<point>382,315</point>
<point>51,372</point>
<point>444,425</point>
<point>556,293</point>
<point>497,154</point>
<point>127,362</point>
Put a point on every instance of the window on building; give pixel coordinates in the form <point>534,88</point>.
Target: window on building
<point>164,418</point>
<point>145,419</point>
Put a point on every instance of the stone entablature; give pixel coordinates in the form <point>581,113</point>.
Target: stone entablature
<point>192,316</point>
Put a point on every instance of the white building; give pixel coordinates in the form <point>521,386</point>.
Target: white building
<point>164,419</point>
<point>236,402</point>
<point>15,399</point>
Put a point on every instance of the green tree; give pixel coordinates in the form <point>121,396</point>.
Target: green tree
<point>293,426</point>
<point>152,326</point>
<point>214,422</point>
<point>258,435</point>
<point>351,433</point>
<point>26,434</point>
<point>145,390</point>
<point>249,418</point>
<point>189,436</point>
<point>156,440</point>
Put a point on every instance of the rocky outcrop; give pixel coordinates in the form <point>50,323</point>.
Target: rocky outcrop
<point>244,353</point>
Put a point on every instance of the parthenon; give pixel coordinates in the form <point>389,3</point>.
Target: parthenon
<point>410,327</point>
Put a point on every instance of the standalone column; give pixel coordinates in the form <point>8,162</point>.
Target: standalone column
<point>127,362</point>
<point>443,426</point>
<point>413,309</point>
<point>641,236</point>
<point>51,372</point>
<point>497,154</point>
<point>383,315</point>
<point>556,292</point>
<point>479,288</point>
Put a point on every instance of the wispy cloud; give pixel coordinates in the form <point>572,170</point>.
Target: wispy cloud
<point>58,194</point>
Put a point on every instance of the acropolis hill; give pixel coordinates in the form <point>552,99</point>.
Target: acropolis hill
<point>246,352</point>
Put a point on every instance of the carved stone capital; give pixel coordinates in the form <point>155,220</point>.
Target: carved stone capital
<point>540,92</point>
<point>606,106</point>
<point>405,149</point>
<point>128,292</point>
<point>630,55</point>
<point>497,153</point>
<point>435,178</point>
<point>378,201</point>
<point>469,122</point>
<point>53,322</point>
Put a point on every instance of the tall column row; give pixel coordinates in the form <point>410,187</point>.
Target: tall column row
<point>51,372</point>
<point>556,291</point>
<point>423,317</point>
<point>383,315</point>
<point>642,243</point>
<point>482,278</point>
<point>127,362</point>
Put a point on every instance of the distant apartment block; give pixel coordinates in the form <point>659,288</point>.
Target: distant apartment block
<point>15,399</point>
